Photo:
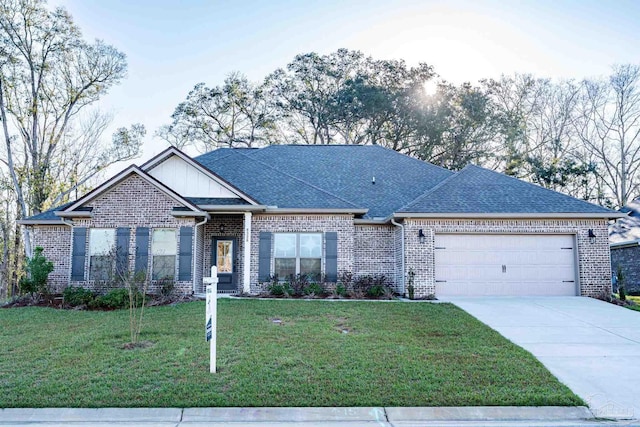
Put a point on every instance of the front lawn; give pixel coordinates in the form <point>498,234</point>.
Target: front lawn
<point>320,354</point>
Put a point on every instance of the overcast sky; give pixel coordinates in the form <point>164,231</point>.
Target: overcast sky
<point>172,45</point>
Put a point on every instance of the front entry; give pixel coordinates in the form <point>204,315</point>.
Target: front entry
<point>223,256</point>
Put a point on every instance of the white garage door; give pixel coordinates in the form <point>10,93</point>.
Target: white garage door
<point>505,264</point>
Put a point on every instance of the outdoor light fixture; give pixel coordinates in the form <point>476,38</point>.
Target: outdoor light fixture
<point>421,236</point>
<point>592,236</point>
<point>221,228</point>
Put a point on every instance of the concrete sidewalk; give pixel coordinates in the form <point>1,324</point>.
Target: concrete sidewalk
<point>322,417</point>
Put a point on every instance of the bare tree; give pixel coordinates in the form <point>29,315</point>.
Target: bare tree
<point>48,75</point>
<point>610,130</point>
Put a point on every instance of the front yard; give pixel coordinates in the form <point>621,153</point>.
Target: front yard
<point>270,353</point>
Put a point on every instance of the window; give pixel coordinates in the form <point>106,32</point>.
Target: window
<point>298,253</point>
<point>102,244</point>
<point>163,250</point>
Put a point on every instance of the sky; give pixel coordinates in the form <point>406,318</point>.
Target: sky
<point>173,45</point>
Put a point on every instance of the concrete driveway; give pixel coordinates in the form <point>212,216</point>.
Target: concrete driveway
<point>591,346</point>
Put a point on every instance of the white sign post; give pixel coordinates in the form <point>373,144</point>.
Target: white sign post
<point>212,315</point>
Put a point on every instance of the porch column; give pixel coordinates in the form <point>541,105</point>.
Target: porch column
<point>246,271</point>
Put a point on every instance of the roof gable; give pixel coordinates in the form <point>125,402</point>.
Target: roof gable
<point>189,178</point>
<point>475,190</point>
<point>74,208</point>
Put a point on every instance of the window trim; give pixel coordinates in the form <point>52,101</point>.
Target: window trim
<point>297,256</point>
<point>152,255</point>
<point>111,253</point>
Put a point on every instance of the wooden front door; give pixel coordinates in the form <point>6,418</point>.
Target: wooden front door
<point>223,256</point>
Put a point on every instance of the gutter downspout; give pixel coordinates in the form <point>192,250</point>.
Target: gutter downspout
<point>198,224</point>
<point>401,253</point>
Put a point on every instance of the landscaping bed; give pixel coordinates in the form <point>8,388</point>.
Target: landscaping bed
<point>270,353</point>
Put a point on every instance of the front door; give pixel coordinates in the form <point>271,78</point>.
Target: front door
<point>224,257</point>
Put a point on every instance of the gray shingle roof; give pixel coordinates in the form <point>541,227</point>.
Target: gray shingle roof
<point>478,190</point>
<point>326,176</point>
<point>49,214</point>
<point>627,228</point>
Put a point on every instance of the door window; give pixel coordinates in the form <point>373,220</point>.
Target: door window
<point>224,257</point>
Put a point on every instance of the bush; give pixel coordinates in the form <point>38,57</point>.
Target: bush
<point>38,269</point>
<point>78,296</point>
<point>280,289</point>
<point>340,290</point>
<point>167,286</point>
<point>314,289</point>
<point>114,299</point>
<point>374,286</point>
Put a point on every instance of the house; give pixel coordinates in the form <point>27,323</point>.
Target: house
<point>624,239</point>
<point>328,210</point>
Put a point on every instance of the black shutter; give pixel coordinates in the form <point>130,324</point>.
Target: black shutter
<point>264,257</point>
<point>185,254</point>
<point>78,253</point>
<point>331,258</point>
<point>142,250</point>
<point>122,251</point>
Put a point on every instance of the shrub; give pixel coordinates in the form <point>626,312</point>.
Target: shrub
<point>114,299</point>
<point>298,283</point>
<point>78,296</point>
<point>620,277</point>
<point>340,290</point>
<point>411,288</point>
<point>167,286</point>
<point>314,289</point>
<point>38,269</point>
<point>372,286</point>
<point>280,289</point>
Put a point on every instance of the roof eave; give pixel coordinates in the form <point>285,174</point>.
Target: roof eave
<point>500,215</point>
<point>74,214</point>
<point>234,208</point>
<point>346,211</point>
<point>40,222</point>
<point>189,214</point>
<point>625,244</point>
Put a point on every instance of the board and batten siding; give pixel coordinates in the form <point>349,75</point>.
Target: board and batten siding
<point>186,180</point>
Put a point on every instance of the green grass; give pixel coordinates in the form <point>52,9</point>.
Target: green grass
<point>396,354</point>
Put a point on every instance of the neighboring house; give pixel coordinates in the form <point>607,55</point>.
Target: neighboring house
<point>328,210</point>
<point>624,239</point>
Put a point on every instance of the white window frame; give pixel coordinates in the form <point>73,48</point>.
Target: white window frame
<point>110,252</point>
<point>154,254</point>
<point>297,251</point>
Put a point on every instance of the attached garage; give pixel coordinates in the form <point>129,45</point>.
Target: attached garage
<point>505,264</point>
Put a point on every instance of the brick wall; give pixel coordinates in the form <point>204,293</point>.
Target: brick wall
<point>375,251</point>
<point>133,203</point>
<point>56,241</point>
<point>629,260</point>
<point>342,224</point>
<point>593,258</point>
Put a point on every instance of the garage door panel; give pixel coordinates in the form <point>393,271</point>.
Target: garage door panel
<point>536,288</point>
<point>484,264</point>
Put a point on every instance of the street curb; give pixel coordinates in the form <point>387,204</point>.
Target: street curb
<point>64,415</point>
<point>295,415</point>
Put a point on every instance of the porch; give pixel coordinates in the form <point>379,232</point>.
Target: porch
<point>223,241</point>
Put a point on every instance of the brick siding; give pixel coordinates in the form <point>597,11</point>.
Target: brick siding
<point>593,258</point>
<point>628,258</point>
<point>342,224</point>
<point>375,251</point>
<point>132,203</point>
<point>56,241</point>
